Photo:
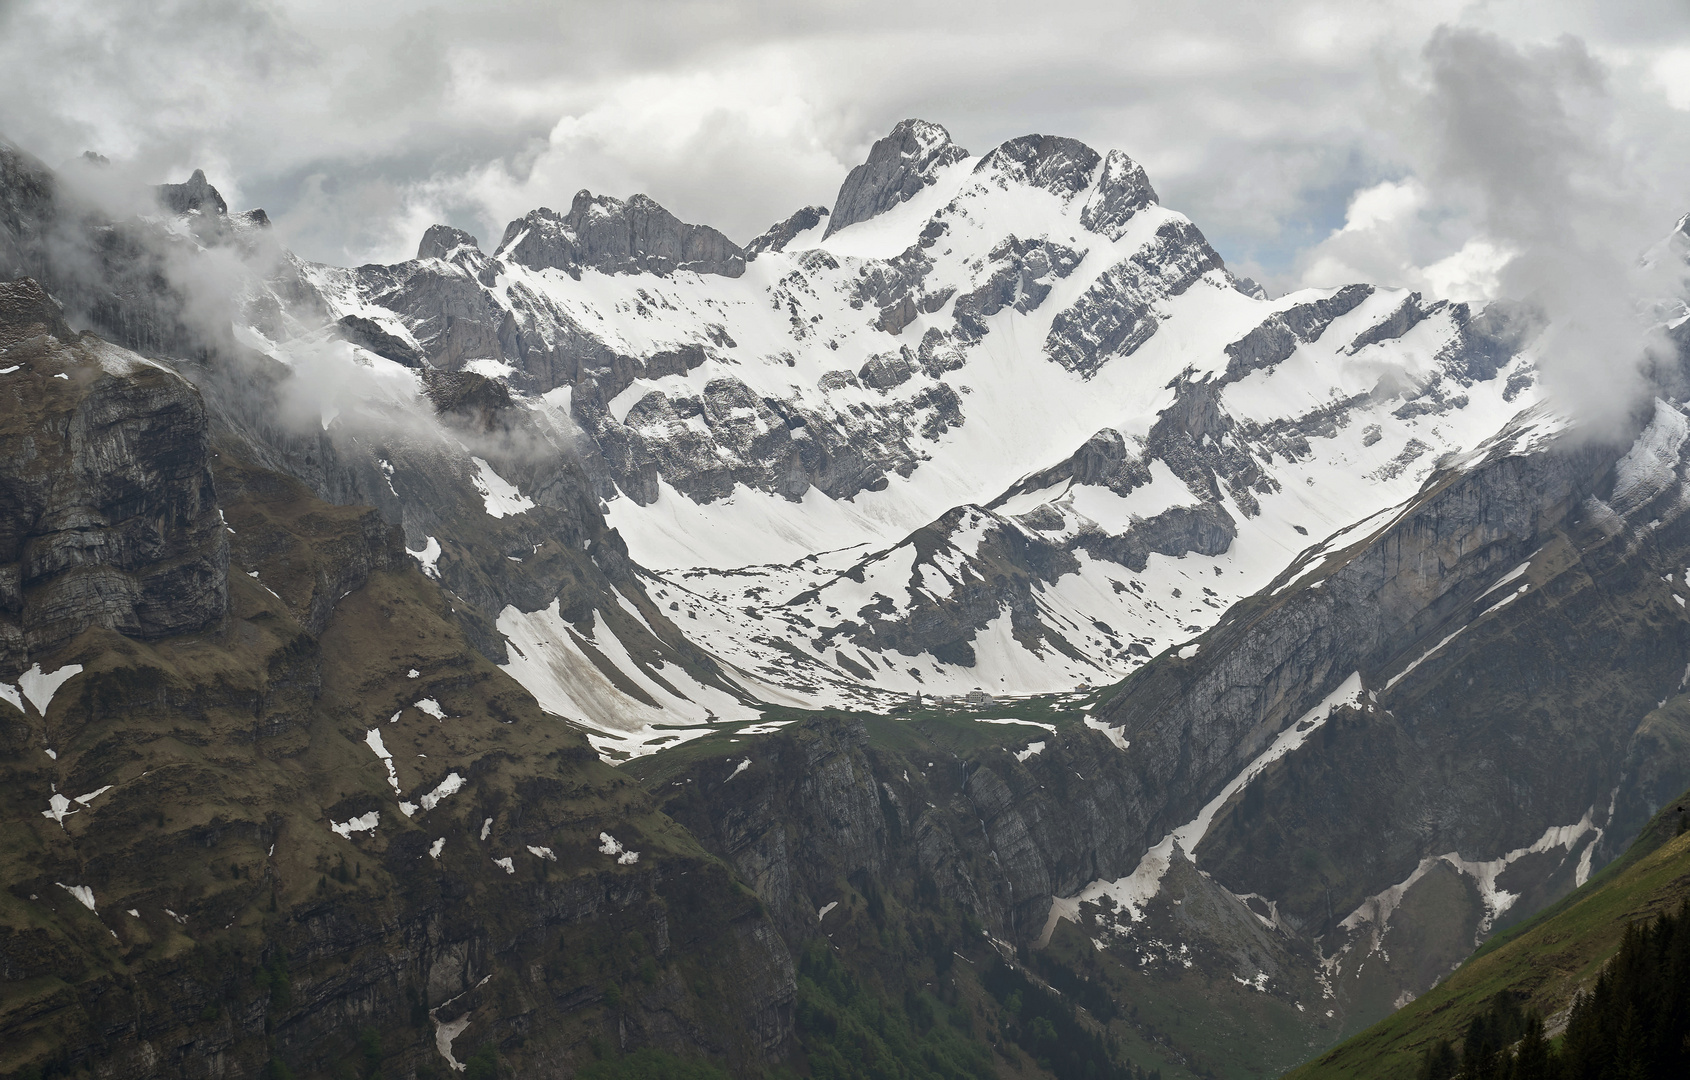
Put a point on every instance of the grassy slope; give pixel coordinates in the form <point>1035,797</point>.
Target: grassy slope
<point>1548,958</point>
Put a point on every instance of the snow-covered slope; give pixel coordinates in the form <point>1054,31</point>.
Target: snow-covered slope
<point>1012,427</point>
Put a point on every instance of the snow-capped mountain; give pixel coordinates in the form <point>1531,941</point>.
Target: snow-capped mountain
<point>998,422</point>
<point>1348,598</point>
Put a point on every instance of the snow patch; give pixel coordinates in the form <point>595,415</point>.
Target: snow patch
<point>39,687</point>
<point>609,845</point>
<point>361,823</point>
<point>1113,734</point>
<point>500,496</point>
<point>428,558</point>
<point>451,784</point>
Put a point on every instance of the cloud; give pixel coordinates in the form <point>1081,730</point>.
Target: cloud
<point>352,124</point>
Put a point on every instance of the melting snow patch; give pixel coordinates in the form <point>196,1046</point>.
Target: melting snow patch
<point>435,848</point>
<point>1032,749</point>
<point>1030,723</point>
<point>829,906</point>
<point>134,913</point>
<point>501,497</point>
<point>1113,734</point>
<point>60,809</point>
<point>1186,652</point>
<point>428,558</point>
<point>542,853</point>
<point>447,786</point>
<point>1375,912</point>
<point>361,823</point>
<point>444,1033</point>
<point>81,892</point>
<point>486,827</point>
<point>609,845</point>
<point>39,687</point>
<point>741,767</point>
<point>92,795</point>
<point>505,864</point>
<point>10,693</point>
<point>413,673</point>
<point>431,707</point>
<point>373,739</point>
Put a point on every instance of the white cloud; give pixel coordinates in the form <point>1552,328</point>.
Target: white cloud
<point>355,124</point>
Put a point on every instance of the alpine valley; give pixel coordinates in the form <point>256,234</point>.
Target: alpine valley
<point>964,631</point>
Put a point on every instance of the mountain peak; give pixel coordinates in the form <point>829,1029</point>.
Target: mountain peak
<point>614,236</point>
<point>898,167</point>
<point>196,194</point>
<point>441,240</point>
<point>1059,165</point>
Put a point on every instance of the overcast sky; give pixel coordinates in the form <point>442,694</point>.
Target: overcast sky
<point>1313,142</point>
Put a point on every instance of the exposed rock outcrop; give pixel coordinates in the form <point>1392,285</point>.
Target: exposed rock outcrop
<point>110,517</point>
<point>616,237</point>
<point>196,196</point>
<point>898,167</point>
<point>783,233</point>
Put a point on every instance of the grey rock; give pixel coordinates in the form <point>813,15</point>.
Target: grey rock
<point>195,196</point>
<point>781,234</point>
<point>1486,342</point>
<point>108,516</point>
<point>1250,287</point>
<point>898,167</point>
<point>1059,165</point>
<point>1406,317</point>
<point>1122,191</point>
<point>1277,337</point>
<point>886,370</point>
<point>1020,278</point>
<point>440,241</point>
<point>370,334</point>
<point>616,237</point>
<point>1116,314</point>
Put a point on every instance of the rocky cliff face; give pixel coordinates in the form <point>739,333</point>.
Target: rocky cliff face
<point>606,234</point>
<point>109,514</point>
<point>898,167</point>
<point>249,835</point>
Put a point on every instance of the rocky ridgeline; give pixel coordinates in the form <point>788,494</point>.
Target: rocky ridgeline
<point>452,303</point>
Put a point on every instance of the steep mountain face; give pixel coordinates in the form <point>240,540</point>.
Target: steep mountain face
<point>1525,611</point>
<point>1542,965</point>
<point>301,814</point>
<point>109,516</point>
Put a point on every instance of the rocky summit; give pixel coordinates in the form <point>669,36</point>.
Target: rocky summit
<point>964,631</point>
